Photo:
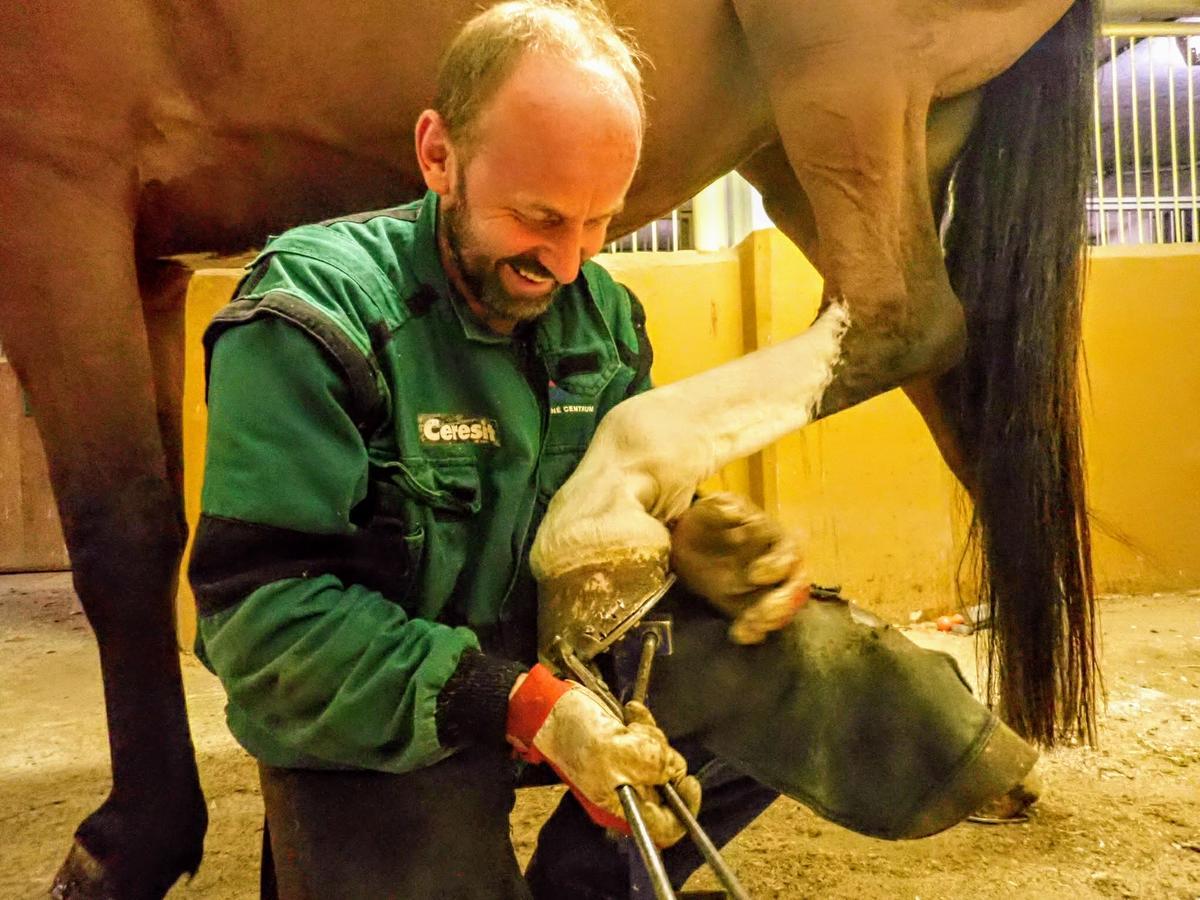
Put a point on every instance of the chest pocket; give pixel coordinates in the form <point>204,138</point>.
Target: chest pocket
<point>571,424</point>
<point>437,502</point>
<point>557,465</point>
<point>567,439</point>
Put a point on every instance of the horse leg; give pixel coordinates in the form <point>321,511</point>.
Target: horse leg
<point>73,326</point>
<point>949,124</point>
<point>877,246</point>
<point>770,171</point>
<point>889,316</point>
<point>163,288</point>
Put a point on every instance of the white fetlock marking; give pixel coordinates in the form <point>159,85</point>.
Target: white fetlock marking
<point>652,451</point>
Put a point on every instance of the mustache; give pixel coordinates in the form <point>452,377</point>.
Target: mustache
<point>530,264</point>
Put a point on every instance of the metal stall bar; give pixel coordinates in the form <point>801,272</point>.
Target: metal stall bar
<point>1191,94</point>
<point>1172,197</point>
<point>1155,184</point>
<point>1137,142</point>
<point>1102,225</point>
<point>1176,207</point>
<point>1116,112</point>
<point>1152,29</point>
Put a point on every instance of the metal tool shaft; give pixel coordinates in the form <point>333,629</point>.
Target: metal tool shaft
<point>697,833</point>
<point>645,844</point>
<point>642,683</point>
<point>704,844</point>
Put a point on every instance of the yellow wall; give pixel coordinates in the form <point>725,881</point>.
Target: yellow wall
<point>881,513</point>
<point>208,291</point>
<point>1142,338</point>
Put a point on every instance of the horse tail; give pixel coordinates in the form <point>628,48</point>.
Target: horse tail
<point>1015,250</point>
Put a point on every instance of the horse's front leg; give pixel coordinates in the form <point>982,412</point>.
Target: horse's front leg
<point>652,451</point>
<point>74,326</point>
<point>889,316</point>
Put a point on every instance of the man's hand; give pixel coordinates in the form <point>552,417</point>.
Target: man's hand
<point>733,554</point>
<point>593,752</point>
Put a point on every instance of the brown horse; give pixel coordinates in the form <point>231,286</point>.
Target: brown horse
<point>141,129</point>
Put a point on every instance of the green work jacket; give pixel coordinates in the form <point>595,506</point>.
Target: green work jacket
<point>377,465</point>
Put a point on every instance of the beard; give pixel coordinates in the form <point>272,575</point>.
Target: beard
<point>481,271</point>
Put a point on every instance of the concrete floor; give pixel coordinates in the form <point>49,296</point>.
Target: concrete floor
<point>1119,821</point>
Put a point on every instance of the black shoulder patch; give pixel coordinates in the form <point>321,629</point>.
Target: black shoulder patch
<point>359,369</point>
<point>576,364</point>
<point>379,335</point>
<point>250,280</point>
<point>404,213</point>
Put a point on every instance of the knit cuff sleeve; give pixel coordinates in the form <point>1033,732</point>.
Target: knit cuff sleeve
<point>473,705</point>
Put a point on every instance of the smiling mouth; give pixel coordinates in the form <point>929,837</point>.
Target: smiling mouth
<point>530,276</point>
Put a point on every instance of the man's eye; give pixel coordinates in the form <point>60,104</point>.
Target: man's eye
<point>535,221</point>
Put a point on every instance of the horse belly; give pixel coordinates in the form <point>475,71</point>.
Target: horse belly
<point>227,192</point>
<point>276,117</point>
<point>311,115</point>
<point>706,106</point>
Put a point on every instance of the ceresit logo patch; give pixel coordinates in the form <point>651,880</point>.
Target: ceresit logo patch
<point>448,428</point>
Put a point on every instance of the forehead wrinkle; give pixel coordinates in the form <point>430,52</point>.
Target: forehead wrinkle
<point>551,210</point>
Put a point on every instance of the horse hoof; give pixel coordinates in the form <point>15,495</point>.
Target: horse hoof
<point>121,856</point>
<point>1014,806</point>
<point>81,876</point>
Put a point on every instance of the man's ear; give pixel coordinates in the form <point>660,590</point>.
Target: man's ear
<point>435,152</point>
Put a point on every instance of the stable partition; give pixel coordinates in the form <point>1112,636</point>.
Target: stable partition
<point>30,532</point>
<point>881,514</point>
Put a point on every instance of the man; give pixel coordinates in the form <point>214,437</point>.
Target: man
<point>393,399</point>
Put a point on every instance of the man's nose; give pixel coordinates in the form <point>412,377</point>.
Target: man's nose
<point>565,255</point>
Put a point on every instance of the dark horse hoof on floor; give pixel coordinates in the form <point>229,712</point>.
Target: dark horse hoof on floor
<point>132,857</point>
<point>1014,806</point>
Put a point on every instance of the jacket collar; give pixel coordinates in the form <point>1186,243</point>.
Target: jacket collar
<point>571,337</point>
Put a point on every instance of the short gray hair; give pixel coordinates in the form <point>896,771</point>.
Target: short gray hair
<point>488,48</point>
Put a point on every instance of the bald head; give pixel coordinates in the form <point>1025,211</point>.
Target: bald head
<point>576,119</point>
<point>492,45</point>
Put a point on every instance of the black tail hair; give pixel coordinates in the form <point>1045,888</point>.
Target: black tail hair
<point>1015,251</point>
